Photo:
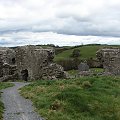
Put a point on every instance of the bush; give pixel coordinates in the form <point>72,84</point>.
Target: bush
<point>69,64</point>
<point>75,53</point>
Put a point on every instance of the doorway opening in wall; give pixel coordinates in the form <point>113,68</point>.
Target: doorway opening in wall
<point>13,60</point>
<point>24,74</point>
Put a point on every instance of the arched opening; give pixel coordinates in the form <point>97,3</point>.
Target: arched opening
<point>24,74</point>
<point>13,60</point>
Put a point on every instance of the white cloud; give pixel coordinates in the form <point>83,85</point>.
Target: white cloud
<point>71,17</point>
<point>28,38</point>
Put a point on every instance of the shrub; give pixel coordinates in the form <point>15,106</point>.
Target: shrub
<point>69,64</point>
<point>75,53</point>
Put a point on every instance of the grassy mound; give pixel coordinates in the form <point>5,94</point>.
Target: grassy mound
<point>3,86</point>
<point>87,98</point>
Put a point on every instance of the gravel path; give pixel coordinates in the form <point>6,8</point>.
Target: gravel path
<point>17,107</point>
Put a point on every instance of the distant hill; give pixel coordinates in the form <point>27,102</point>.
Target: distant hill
<point>86,51</point>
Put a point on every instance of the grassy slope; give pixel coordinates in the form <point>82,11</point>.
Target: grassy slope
<point>87,98</point>
<point>3,86</point>
<point>86,52</point>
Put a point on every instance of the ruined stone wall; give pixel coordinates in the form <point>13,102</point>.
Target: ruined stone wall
<point>33,58</point>
<point>6,61</point>
<point>7,55</point>
<point>7,65</point>
<point>110,58</point>
<point>1,68</point>
<point>29,63</point>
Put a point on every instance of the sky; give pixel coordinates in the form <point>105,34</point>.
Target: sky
<point>59,22</point>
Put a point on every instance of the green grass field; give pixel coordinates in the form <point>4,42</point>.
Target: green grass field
<point>94,70</point>
<point>3,85</point>
<point>86,98</point>
<point>86,52</point>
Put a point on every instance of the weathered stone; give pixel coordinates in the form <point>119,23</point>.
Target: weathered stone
<point>85,73</point>
<point>1,67</point>
<point>29,63</point>
<point>110,58</point>
<point>7,55</point>
<point>83,67</point>
<point>94,63</point>
<point>107,74</point>
<point>9,77</point>
<point>53,71</point>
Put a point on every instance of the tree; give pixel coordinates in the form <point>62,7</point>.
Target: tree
<point>76,53</point>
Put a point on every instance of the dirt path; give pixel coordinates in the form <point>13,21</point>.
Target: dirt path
<point>17,107</point>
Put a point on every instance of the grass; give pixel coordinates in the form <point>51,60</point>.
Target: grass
<point>93,70</point>
<point>3,85</point>
<point>87,98</point>
<point>97,70</point>
<point>73,72</point>
<point>86,52</point>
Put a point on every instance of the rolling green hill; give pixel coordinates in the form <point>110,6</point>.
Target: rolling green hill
<point>86,51</point>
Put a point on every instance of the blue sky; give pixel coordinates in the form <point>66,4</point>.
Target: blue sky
<point>59,22</point>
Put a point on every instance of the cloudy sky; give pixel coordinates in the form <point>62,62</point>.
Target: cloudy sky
<point>59,22</point>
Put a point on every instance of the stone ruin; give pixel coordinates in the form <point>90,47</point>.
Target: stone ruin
<point>110,59</point>
<point>83,69</point>
<point>29,63</point>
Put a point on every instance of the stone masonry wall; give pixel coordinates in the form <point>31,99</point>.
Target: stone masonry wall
<point>110,58</point>
<point>33,59</point>
<point>29,62</point>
